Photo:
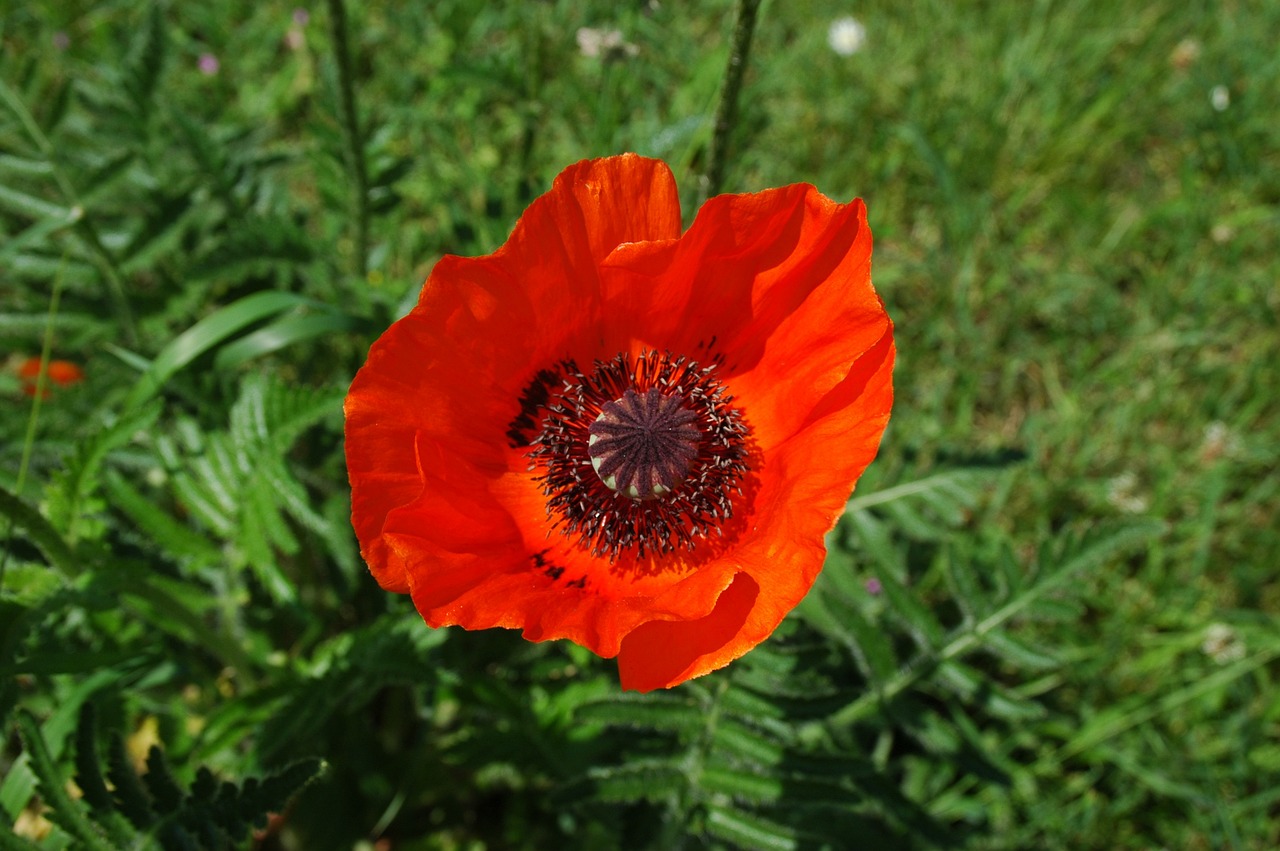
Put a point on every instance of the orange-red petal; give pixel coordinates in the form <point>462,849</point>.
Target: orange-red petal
<point>482,327</point>
<point>777,284</point>
<point>59,372</point>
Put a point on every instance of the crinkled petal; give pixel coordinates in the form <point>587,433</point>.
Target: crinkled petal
<point>779,282</point>
<point>807,486</point>
<point>774,286</point>
<point>454,368</point>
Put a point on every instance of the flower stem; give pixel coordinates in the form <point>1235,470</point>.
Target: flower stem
<point>29,440</point>
<point>351,132</point>
<point>726,110</point>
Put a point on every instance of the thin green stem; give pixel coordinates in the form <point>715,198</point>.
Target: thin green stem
<point>42,381</point>
<point>727,109</point>
<point>352,134</point>
<point>104,259</point>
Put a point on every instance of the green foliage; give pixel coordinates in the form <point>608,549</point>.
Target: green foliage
<point>790,747</point>
<point>124,809</point>
<point>236,484</point>
<point>1068,645</point>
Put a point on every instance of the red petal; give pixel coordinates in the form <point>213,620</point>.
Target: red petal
<point>661,654</point>
<point>778,283</point>
<point>454,368</point>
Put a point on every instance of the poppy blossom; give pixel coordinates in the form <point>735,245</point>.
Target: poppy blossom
<point>611,432</point>
<point>60,372</point>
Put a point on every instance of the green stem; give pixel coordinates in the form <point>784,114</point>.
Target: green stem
<point>727,109</point>
<point>42,381</point>
<point>105,260</point>
<point>351,132</point>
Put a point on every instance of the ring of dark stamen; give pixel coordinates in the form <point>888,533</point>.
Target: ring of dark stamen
<point>606,522</point>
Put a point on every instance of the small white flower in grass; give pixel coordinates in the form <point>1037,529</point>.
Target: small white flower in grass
<point>1220,97</point>
<point>1122,493</point>
<point>604,43</point>
<point>1223,644</point>
<point>846,36</point>
<point>1219,441</point>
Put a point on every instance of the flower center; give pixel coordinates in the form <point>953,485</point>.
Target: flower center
<point>642,445</point>
<point>642,454</point>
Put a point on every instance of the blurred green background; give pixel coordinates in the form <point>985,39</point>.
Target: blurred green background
<point>1049,618</point>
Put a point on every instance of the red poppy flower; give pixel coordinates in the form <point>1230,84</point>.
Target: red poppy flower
<point>613,433</point>
<point>60,372</point>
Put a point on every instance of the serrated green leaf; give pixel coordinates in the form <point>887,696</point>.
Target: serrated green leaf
<point>130,796</point>
<point>37,233</point>
<point>29,583</point>
<point>69,492</point>
<point>253,245</point>
<point>292,497</point>
<point>24,166</point>
<point>42,532</point>
<point>654,714</point>
<point>173,535</point>
<point>159,236</point>
<point>907,607</point>
<point>738,741</point>
<point>1009,574</point>
<point>275,791</point>
<point>201,504</point>
<point>68,813</point>
<point>966,587</point>
<point>972,686</point>
<point>743,785</point>
<point>89,779</point>
<point>1019,653</point>
<point>175,607</point>
<point>639,780</point>
<point>833,614</point>
<point>872,646</point>
<point>166,793</point>
<point>749,831</point>
<point>912,523</point>
<point>146,59</point>
<point>32,207</point>
<point>874,536</point>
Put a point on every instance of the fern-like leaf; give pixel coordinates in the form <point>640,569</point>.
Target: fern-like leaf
<point>206,818</point>
<point>238,485</point>
<point>70,814</point>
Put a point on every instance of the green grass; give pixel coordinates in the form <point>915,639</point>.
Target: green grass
<point>1078,248</point>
